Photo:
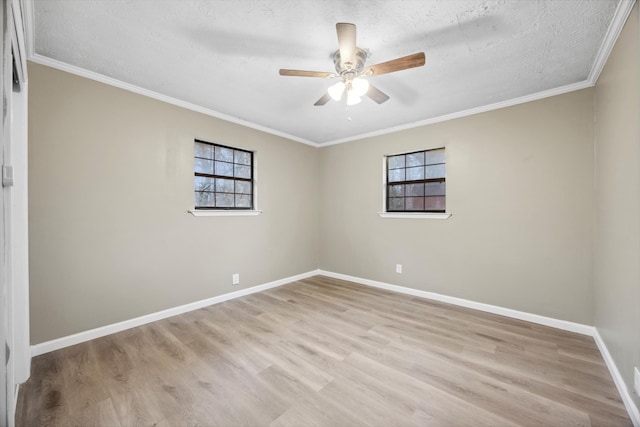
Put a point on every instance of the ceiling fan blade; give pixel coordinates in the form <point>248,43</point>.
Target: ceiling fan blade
<point>376,94</point>
<point>325,98</point>
<point>404,63</point>
<point>346,42</point>
<point>301,73</point>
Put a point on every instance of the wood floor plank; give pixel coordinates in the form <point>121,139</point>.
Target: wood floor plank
<point>317,410</point>
<point>97,414</point>
<point>506,400</point>
<point>326,352</point>
<point>431,403</point>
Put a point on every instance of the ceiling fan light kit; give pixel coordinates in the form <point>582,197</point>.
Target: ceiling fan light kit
<point>352,98</point>
<point>355,89</point>
<point>359,86</point>
<point>337,90</point>
<point>349,61</point>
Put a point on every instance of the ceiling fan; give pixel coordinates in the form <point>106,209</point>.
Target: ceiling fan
<point>349,61</point>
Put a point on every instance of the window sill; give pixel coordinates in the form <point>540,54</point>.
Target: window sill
<point>204,212</point>
<point>417,215</point>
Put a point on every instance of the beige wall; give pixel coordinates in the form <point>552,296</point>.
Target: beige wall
<point>111,180</point>
<point>519,186</point>
<point>617,225</point>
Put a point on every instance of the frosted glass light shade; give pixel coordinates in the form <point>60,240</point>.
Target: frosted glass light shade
<point>352,98</point>
<point>336,90</point>
<point>359,86</point>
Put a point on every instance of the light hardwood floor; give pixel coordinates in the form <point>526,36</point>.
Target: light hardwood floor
<point>325,352</point>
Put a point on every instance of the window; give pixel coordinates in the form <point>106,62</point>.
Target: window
<point>415,182</point>
<point>223,177</point>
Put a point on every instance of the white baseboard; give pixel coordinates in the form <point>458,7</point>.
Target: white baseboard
<point>579,328</point>
<point>632,409</point>
<point>80,337</point>
<point>70,340</point>
<point>515,314</point>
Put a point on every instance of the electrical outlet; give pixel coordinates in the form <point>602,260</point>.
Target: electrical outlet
<point>235,279</point>
<point>636,380</point>
<point>399,268</point>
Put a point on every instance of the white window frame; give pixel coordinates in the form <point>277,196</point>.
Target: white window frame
<point>234,212</point>
<point>405,215</point>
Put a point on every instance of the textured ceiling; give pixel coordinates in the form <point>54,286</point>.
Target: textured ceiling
<point>225,55</point>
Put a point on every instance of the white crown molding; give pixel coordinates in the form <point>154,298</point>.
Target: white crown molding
<point>617,23</point>
<point>629,404</point>
<point>470,112</point>
<point>102,331</point>
<point>502,311</point>
<point>39,59</point>
<point>43,60</point>
<point>53,63</point>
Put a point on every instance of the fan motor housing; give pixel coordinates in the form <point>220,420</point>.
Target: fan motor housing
<point>347,69</point>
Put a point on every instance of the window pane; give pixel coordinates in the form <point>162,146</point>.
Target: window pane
<point>435,171</point>
<point>415,173</point>
<point>242,157</point>
<point>396,175</point>
<point>415,190</point>
<point>243,201</point>
<point>243,171</point>
<point>396,190</point>
<point>204,166</point>
<point>203,150</point>
<point>435,156</point>
<point>225,154</point>
<point>395,162</point>
<point>243,187</point>
<point>396,204</point>
<point>224,200</point>
<point>227,180</point>
<point>415,203</point>
<point>203,183</point>
<point>224,185</point>
<point>434,189</point>
<point>204,200</point>
<point>415,159</point>
<point>434,203</point>
<point>415,195</point>
<point>224,169</point>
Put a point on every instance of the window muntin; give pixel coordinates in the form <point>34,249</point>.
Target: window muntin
<point>223,177</point>
<point>415,182</point>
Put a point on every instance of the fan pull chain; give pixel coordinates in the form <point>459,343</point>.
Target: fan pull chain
<point>348,113</point>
